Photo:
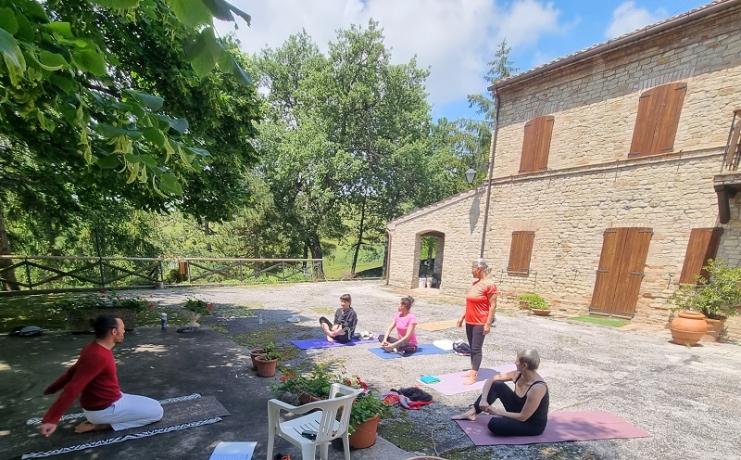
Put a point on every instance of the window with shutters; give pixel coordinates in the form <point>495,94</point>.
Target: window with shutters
<point>657,120</point>
<point>702,246</point>
<point>536,143</point>
<point>520,252</point>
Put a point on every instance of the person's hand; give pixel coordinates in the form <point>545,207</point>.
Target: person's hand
<point>460,323</point>
<point>495,411</point>
<point>487,328</point>
<point>384,343</point>
<point>47,429</point>
<point>484,407</point>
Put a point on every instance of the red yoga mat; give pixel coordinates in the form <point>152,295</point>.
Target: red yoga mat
<point>562,426</point>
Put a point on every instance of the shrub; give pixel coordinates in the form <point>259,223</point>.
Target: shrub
<point>716,296</point>
<point>534,301</point>
<point>199,306</point>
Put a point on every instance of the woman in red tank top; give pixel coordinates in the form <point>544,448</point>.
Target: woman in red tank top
<point>481,304</point>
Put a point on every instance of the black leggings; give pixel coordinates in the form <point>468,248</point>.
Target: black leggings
<point>505,426</point>
<point>344,338</point>
<point>404,349</point>
<point>475,334</point>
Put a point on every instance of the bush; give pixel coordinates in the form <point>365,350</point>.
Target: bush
<point>717,296</point>
<point>534,301</point>
<point>105,299</point>
<point>198,306</point>
<point>316,382</point>
<point>365,407</point>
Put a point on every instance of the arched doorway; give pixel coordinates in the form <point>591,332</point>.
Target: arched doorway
<point>429,249</point>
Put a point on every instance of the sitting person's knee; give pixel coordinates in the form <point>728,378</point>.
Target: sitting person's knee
<point>498,384</point>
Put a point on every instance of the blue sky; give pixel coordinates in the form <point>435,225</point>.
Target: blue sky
<point>455,38</point>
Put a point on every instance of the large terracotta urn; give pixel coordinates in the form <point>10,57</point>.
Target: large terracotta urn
<point>688,327</point>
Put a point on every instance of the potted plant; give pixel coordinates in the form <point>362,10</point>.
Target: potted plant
<point>82,310</point>
<point>712,300</point>
<point>536,303</point>
<point>366,413</point>
<point>307,387</point>
<point>197,308</point>
<point>267,362</point>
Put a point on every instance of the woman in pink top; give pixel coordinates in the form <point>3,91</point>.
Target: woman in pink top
<point>405,323</point>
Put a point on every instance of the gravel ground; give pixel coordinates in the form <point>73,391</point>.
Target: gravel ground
<point>687,398</point>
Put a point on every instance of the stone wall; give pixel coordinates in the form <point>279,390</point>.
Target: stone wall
<point>591,184</point>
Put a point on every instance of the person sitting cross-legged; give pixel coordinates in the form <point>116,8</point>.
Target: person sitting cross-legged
<point>405,322</point>
<point>345,322</point>
<point>525,410</point>
<point>94,379</point>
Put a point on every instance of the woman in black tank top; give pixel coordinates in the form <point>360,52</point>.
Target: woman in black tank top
<point>525,410</point>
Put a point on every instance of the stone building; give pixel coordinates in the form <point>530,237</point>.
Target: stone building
<point>612,176</point>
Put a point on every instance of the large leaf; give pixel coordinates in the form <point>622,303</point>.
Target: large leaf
<point>223,10</point>
<point>204,53</point>
<point>179,124</point>
<point>118,4</point>
<point>51,61</point>
<point>109,131</point>
<point>155,136</point>
<point>169,184</point>
<point>13,57</point>
<point>149,100</point>
<point>8,20</point>
<point>63,29</point>
<point>238,72</point>
<point>64,83</point>
<point>89,60</point>
<point>191,12</point>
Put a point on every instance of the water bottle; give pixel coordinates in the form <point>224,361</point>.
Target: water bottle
<point>163,321</point>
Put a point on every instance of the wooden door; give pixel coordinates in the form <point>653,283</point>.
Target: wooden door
<point>620,271</point>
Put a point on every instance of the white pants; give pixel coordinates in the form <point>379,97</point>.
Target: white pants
<point>130,411</point>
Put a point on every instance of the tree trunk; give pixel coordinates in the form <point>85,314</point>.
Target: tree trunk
<point>360,239</point>
<point>316,253</point>
<point>10,283</point>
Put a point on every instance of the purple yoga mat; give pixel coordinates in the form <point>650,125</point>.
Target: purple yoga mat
<point>322,342</point>
<point>562,426</point>
<point>452,384</point>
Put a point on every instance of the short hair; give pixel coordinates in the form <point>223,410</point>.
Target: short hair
<point>529,357</point>
<point>408,301</point>
<point>103,325</point>
<point>481,263</point>
<point>346,297</point>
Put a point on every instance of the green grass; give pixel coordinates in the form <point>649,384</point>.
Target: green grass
<point>337,264</point>
<point>601,320</point>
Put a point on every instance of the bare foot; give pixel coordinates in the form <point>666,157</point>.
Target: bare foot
<point>471,379</point>
<point>85,427</point>
<point>330,339</point>
<point>470,414</point>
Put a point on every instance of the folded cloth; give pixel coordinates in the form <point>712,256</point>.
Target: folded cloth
<point>429,379</point>
<point>392,398</point>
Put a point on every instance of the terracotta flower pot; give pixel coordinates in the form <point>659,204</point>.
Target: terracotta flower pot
<point>265,367</point>
<point>306,398</point>
<point>688,327</point>
<point>715,329</point>
<point>524,305</point>
<point>365,434</point>
<point>253,353</point>
<point>539,312</point>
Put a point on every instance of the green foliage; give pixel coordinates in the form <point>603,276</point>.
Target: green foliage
<point>198,306</point>
<point>316,382</point>
<point>534,301</point>
<point>716,296</point>
<point>365,407</point>
<point>105,299</point>
<point>270,351</point>
<point>601,321</point>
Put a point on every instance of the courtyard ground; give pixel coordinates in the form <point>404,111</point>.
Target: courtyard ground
<point>686,398</point>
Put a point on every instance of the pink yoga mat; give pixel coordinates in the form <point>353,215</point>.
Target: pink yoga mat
<point>452,384</point>
<point>562,426</point>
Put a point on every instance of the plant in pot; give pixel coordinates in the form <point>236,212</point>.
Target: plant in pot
<point>303,388</point>
<point>267,362</point>
<point>366,413</point>
<point>197,308</point>
<point>712,300</point>
<point>536,303</point>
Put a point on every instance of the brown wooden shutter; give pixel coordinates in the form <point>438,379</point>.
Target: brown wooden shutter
<point>702,246</point>
<point>520,252</point>
<point>536,144</point>
<point>657,119</point>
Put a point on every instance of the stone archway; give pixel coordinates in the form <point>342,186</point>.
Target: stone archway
<point>429,250</point>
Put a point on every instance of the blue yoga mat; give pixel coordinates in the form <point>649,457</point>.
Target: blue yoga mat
<point>422,349</point>
<point>322,342</point>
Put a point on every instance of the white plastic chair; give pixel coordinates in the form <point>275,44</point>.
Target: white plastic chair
<point>322,422</point>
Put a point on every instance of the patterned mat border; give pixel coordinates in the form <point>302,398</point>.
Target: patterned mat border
<point>117,439</point>
<point>65,418</point>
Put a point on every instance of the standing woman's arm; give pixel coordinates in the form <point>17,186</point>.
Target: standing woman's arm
<point>492,296</point>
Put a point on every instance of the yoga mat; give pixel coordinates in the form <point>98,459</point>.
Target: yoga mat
<point>322,342</point>
<point>437,325</point>
<point>180,415</point>
<point>452,384</point>
<point>562,426</point>
<point>422,350</point>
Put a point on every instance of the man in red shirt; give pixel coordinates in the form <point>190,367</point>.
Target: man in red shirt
<point>94,379</point>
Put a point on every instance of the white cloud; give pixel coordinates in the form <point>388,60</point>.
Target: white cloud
<point>628,17</point>
<point>454,38</point>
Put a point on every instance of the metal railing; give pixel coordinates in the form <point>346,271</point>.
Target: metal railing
<point>732,156</point>
<point>58,273</point>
